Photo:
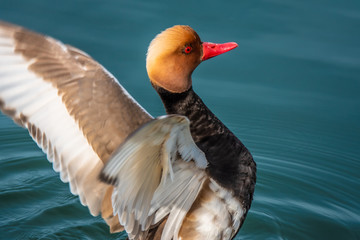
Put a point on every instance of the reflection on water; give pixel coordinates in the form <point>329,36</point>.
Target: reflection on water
<point>290,92</point>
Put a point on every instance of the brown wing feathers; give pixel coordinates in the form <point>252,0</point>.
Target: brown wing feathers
<point>104,111</point>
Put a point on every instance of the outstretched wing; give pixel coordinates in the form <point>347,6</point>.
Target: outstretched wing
<point>157,172</point>
<point>73,108</point>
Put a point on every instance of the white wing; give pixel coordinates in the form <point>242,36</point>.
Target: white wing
<point>157,172</point>
<point>36,105</point>
<point>73,108</point>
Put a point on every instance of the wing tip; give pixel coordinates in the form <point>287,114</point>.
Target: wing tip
<point>7,111</point>
<point>21,119</point>
<point>107,178</point>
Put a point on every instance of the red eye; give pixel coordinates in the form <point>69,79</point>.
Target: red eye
<point>188,49</point>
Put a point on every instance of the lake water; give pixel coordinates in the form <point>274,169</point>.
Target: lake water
<point>290,92</point>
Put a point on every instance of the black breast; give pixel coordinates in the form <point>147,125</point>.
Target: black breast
<point>230,162</point>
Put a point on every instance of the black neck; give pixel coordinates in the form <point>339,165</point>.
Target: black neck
<point>202,121</point>
<point>230,163</point>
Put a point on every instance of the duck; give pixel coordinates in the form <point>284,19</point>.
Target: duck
<point>183,175</point>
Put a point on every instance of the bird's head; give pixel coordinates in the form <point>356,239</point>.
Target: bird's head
<point>175,53</point>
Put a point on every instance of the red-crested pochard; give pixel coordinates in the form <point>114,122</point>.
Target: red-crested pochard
<point>180,176</point>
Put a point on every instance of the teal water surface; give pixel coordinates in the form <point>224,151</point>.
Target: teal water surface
<point>290,92</point>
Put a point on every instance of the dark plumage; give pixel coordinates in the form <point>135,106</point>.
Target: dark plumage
<point>230,162</point>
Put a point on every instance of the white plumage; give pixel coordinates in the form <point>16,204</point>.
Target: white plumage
<point>151,171</point>
<point>36,105</point>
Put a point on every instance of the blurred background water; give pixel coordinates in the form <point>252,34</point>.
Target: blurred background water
<point>290,92</point>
